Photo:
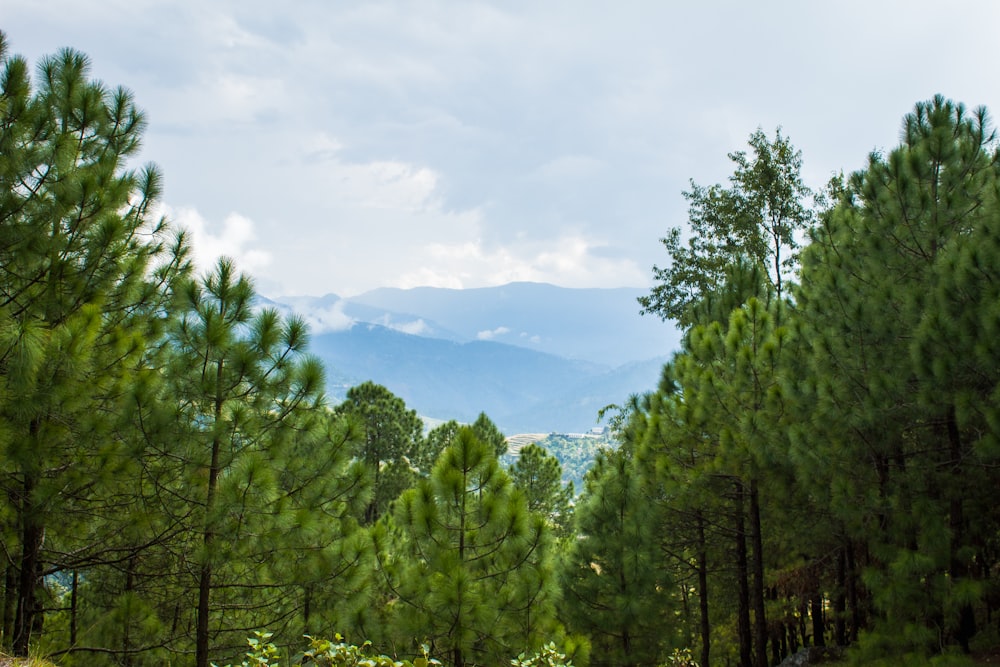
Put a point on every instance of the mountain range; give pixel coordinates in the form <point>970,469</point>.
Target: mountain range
<point>535,357</point>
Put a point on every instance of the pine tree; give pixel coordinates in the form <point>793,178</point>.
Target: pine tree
<point>877,283</point>
<point>613,591</point>
<point>727,287</point>
<point>85,270</point>
<point>730,375</point>
<point>488,432</point>
<point>390,438</point>
<point>687,502</point>
<point>470,567</point>
<point>435,442</point>
<point>539,476</point>
<point>248,400</point>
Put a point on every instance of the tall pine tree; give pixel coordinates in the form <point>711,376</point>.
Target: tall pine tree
<point>470,567</point>
<point>85,270</point>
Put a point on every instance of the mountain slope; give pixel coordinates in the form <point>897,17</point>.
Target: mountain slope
<point>534,357</point>
<point>519,389</point>
<point>598,325</point>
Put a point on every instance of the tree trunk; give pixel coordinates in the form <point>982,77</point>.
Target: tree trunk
<point>32,535</point>
<point>9,601</point>
<point>818,624</point>
<point>840,600</point>
<point>205,578</point>
<point>742,583</point>
<point>966,616</point>
<point>73,600</point>
<point>706,627</point>
<point>201,630</point>
<point>127,621</point>
<point>757,591</point>
<point>306,608</point>
<point>853,601</point>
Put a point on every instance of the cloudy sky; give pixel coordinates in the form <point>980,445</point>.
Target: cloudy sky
<point>341,146</point>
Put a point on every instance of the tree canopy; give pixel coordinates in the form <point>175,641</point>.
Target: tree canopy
<point>816,468</point>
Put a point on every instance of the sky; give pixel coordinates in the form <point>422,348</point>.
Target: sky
<point>336,147</point>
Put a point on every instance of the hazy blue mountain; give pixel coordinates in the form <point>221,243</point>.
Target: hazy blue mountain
<point>333,313</point>
<point>534,357</point>
<point>575,408</point>
<point>521,390</point>
<point>600,325</point>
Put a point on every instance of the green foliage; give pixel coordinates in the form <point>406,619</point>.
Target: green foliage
<point>681,657</point>
<point>262,652</point>
<point>892,325</point>
<point>814,457</point>
<point>326,653</point>
<point>437,439</point>
<point>575,454</point>
<point>487,431</point>
<point>469,567</point>
<point>548,656</point>
<point>755,220</point>
<point>85,275</point>
<point>613,591</point>
<point>248,407</point>
<point>389,444</point>
<point>337,653</point>
<point>539,476</point>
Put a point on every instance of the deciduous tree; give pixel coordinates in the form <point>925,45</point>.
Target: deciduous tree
<point>757,220</point>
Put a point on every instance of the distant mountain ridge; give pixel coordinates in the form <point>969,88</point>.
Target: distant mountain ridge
<point>534,357</point>
<point>602,325</point>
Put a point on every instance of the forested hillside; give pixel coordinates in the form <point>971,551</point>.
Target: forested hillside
<point>817,467</point>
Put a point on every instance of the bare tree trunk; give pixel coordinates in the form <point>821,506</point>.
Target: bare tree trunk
<point>9,601</point>
<point>706,627</point>
<point>757,591</point>
<point>853,601</point>
<point>742,582</point>
<point>73,600</point>
<point>959,570</point>
<point>818,624</point>
<point>32,535</point>
<point>205,578</point>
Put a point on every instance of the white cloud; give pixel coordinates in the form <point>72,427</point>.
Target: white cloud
<point>490,334</point>
<point>377,184</point>
<point>427,277</point>
<point>230,97</point>
<point>414,328</point>
<point>469,144</point>
<point>386,184</point>
<point>567,260</point>
<point>234,238</point>
<point>328,319</point>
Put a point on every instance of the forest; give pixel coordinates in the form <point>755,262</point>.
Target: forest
<point>818,467</point>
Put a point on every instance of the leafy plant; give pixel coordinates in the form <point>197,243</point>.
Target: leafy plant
<point>262,652</point>
<point>327,653</point>
<point>681,657</point>
<point>547,657</point>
